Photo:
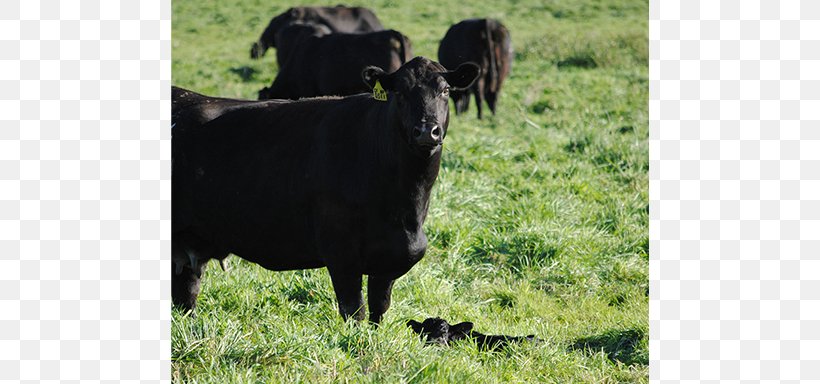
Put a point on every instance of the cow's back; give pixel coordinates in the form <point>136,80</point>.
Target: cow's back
<point>189,108</point>
<point>343,19</point>
<point>249,178</point>
<point>332,64</point>
<point>351,53</point>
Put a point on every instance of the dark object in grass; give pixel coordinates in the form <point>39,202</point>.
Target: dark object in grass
<point>342,183</point>
<point>436,330</point>
<point>487,43</point>
<point>314,62</point>
<point>338,19</point>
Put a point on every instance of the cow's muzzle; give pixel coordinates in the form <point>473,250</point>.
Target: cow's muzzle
<point>429,135</point>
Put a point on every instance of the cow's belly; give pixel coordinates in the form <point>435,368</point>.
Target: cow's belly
<point>275,236</point>
<point>277,254</point>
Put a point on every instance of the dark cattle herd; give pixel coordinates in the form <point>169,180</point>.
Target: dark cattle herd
<point>334,164</point>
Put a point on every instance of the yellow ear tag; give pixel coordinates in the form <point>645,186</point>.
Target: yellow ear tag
<point>378,92</point>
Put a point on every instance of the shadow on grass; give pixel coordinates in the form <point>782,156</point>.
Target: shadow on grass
<point>626,129</point>
<point>578,61</point>
<point>618,345</point>
<point>245,73</point>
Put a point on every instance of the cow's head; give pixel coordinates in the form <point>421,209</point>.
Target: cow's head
<point>438,331</point>
<point>276,24</point>
<point>420,91</point>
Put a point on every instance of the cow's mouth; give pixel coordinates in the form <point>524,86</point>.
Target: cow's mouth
<point>429,145</point>
<point>428,150</point>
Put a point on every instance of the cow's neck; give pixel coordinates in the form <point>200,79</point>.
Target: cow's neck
<point>416,174</point>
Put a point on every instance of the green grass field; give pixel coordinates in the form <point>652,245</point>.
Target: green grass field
<point>538,222</point>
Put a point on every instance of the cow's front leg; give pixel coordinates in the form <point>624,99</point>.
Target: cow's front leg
<point>379,290</point>
<point>186,272</point>
<point>348,287</point>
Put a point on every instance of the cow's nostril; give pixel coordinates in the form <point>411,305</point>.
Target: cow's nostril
<point>436,132</point>
<point>416,133</point>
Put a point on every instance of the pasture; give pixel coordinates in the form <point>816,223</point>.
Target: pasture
<point>538,222</point>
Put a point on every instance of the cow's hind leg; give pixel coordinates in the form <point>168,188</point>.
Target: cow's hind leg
<point>492,97</point>
<point>478,92</point>
<point>379,290</point>
<point>348,288</point>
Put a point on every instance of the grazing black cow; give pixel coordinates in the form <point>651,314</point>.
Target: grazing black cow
<point>336,19</point>
<point>487,43</point>
<point>313,63</point>
<point>342,183</point>
<point>437,331</point>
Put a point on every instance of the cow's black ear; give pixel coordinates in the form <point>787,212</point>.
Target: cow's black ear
<point>372,74</point>
<point>463,76</point>
<point>417,327</point>
<point>464,328</point>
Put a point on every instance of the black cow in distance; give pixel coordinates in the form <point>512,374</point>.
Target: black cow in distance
<point>342,183</point>
<point>487,43</point>
<point>314,63</point>
<point>336,19</point>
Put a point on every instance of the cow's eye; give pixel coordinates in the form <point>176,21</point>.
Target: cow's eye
<point>445,92</point>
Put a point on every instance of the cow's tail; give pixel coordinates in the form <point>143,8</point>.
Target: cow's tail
<point>492,75</point>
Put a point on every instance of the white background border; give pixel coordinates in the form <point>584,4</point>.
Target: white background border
<point>85,190</point>
<point>734,190</point>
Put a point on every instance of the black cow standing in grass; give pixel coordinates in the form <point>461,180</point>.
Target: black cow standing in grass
<point>315,63</point>
<point>336,19</point>
<point>342,183</point>
<point>487,43</point>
